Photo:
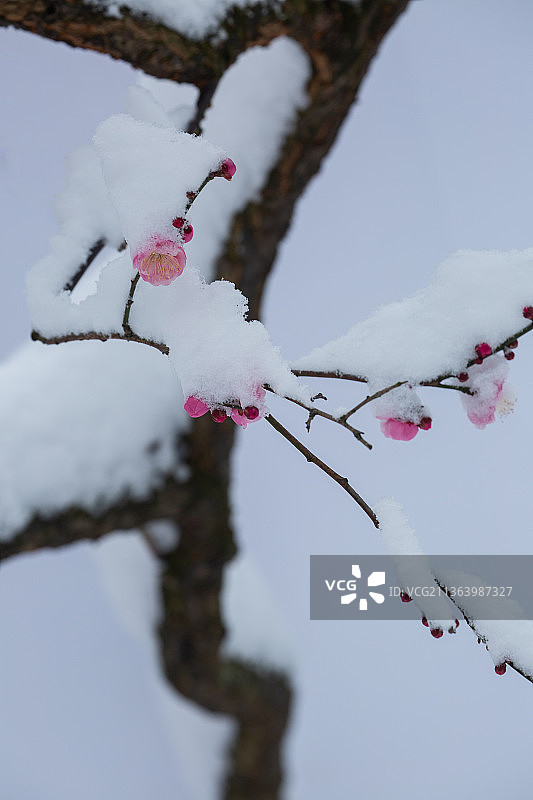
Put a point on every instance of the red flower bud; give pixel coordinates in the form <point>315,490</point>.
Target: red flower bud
<point>425,423</point>
<point>500,669</point>
<point>404,597</point>
<point>218,414</point>
<point>437,632</point>
<point>462,377</point>
<point>251,412</point>
<point>483,349</point>
<point>425,622</point>
<point>228,169</point>
<point>528,312</point>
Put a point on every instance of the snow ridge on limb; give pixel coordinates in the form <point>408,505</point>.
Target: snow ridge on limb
<point>473,297</point>
<point>509,642</point>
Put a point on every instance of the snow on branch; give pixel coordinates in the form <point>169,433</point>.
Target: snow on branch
<point>473,298</point>
<point>509,642</point>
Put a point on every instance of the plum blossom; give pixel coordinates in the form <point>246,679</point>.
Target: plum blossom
<point>160,261</point>
<point>398,429</point>
<point>401,414</point>
<point>490,393</point>
<point>196,407</point>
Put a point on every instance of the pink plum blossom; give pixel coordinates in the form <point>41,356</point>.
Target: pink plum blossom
<point>238,417</point>
<point>160,261</point>
<point>490,393</point>
<point>195,407</point>
<point>398,429</point>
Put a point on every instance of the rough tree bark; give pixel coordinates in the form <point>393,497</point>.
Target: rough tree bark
<point>341,39</point>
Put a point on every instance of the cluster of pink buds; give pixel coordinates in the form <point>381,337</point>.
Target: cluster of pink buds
<point>184,228</point>
<point>484,350</point>
<point>195,407</point>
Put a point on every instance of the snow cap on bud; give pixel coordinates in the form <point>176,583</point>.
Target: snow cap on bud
<point>195,407</point>
<point>228,169</point>
<point>483,350</point>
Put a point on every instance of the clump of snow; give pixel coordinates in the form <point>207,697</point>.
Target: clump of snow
<point>508,635</point>
<point>83,207</point>
<point>84,424</point>
<point>400,539</point>
<point>254,107</point>
<point>487,381</point>
<point>194,18</point>
<point>402,403</point>
<point>473,297</point>
<point>130,577</point>
<point>148,170</point>
<point>218,355</point>
<point>129,574</point>
<point>256,628</point>
<point>509,640</point>
<point>141,104</point>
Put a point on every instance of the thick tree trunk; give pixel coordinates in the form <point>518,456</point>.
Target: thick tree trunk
<point>341,40</point>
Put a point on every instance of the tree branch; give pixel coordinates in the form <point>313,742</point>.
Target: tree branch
<point>101,337</point>
<point>471,625</point>
<point>311,457</point>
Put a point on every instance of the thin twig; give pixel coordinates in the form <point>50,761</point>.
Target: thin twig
<point>318,373</point>
<point>101,337</point>
<point>129,302</point>
<point>317,412</point>
<point>95,250</point>
<point>311,457</point>
<point>369,398</point>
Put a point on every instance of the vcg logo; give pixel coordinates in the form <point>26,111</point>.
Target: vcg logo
<point>348,588</point>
